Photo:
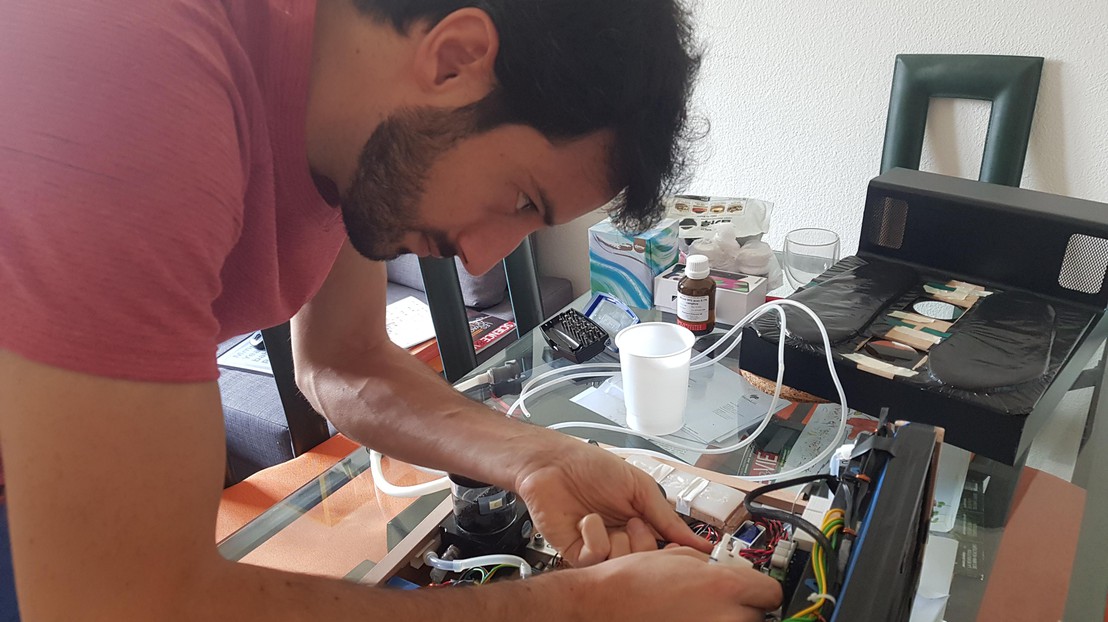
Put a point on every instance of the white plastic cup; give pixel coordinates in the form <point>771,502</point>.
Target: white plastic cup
<point>654,361</point>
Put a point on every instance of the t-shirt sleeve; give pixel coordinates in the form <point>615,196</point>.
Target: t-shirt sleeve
<point>121,185</point>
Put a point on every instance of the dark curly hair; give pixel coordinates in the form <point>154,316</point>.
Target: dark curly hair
<point>571,67</point>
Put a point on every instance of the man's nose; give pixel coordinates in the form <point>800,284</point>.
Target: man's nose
<point>484,249</point>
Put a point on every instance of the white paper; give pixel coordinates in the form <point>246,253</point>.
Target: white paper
<point>934,585</point>
<point>245,356</point>
<point>721,403</point>
<point>822,426</point>
<point>950,481</point>
<point>408,322</point>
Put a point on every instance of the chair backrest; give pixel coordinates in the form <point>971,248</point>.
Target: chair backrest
<point>1011,83</point>
<point>448,313</point>
<point>308,428</point>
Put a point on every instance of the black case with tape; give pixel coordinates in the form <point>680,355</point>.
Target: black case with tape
<point>1006,363</point>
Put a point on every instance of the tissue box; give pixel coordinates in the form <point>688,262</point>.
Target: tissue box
<point>736,294</point>
<point>625,265</point>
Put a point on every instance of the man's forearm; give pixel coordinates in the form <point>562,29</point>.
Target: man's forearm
<point>393,403</point>
<point>236,591</point>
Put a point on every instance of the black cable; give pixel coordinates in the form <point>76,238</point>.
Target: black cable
<point>796,521</point>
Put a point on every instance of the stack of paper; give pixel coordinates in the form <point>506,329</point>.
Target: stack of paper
<point>408,322</point>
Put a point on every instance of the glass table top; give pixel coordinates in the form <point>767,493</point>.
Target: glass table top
<point>996,523</point>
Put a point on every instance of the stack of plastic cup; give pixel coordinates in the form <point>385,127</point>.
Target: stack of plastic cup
<point>654,361</point>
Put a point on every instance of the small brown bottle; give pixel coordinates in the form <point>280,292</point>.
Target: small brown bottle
<point>696,297</point>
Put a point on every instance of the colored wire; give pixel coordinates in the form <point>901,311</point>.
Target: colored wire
<point>832,525</point>
<point>484,574</point>
<point>488,577</point>
<point>762,511</point>
<point>776,533</point>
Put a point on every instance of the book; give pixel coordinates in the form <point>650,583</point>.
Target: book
<point>484,329</point>
<point>408,322</point>
<point>244,355</point>
<point>487,329</point>
<point>426,351</point>
<point>795,435</point>
<point>428,354</point>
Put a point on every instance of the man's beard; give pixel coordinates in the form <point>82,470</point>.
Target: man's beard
<point>381,205</point>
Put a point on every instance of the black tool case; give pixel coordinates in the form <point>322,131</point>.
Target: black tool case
<point>1040,264</point>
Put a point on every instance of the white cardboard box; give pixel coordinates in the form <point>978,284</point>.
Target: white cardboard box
<point>736,294</point>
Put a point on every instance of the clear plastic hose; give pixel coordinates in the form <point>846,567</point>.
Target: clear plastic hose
<point>461,565</point>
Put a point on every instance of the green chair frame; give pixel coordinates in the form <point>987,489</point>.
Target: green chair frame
<point>448,313</point>
<point>1011,83</point>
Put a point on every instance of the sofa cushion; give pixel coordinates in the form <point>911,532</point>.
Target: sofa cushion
<point>478,292</point>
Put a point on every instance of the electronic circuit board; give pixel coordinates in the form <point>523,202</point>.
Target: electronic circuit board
<point>808,547</point>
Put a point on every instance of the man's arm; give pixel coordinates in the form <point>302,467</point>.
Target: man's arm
<point>383,397</point>
<point>113,488</point>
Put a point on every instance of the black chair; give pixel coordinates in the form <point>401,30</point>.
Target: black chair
<point>448,313</point>
<point>1011,83</point>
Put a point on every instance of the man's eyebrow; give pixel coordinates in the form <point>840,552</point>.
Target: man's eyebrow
<point>547,207</point>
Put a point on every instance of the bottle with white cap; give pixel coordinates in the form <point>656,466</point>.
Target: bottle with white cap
<point>696,297</point>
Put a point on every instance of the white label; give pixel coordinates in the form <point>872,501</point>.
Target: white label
<point>692,308</point>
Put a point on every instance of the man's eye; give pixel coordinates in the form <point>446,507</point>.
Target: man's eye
<point>524,202</point>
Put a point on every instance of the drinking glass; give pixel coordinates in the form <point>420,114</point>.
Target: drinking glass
<point>809,253</point>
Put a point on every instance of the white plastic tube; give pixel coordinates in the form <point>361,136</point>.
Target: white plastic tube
<point>581,370</point>
<point>404,492</point>
<point>532,388</point>
<point>736,332</point>
<point>574,372</point>
<point>461,565</point>
<point>443,483</point>
<point>521,402</point>
<point>823,455</point>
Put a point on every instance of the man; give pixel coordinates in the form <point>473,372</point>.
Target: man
<point>172,174</point>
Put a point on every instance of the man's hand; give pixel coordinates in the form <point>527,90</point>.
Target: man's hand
<point>675,584</point>
<point>592,506</point>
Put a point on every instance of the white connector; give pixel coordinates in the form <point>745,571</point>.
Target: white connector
<point>782,554</point>
<point>813,513</point>
<point>694,496</point>
<point>431,546</point>
<point>726,553</point>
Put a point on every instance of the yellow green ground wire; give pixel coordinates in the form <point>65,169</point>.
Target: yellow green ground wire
<point>832,525</point>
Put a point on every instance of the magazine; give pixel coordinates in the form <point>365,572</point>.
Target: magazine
<point>487,329</point>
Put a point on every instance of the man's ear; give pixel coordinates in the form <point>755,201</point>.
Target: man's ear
<point>456,58</point>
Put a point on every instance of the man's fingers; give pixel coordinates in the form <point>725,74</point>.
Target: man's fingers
<point>594,534</point>
<point>641,536</point>
<point>684,551</point>
<point>759,590</point>
<point>620,544</point>
<point>669,525</point>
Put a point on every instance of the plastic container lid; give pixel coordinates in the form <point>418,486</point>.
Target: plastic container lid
<point>697,267</point>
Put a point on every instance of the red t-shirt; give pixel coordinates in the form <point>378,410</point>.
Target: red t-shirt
<point>155,196</point>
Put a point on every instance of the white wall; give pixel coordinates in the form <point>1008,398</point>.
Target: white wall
<point>797,93</point>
